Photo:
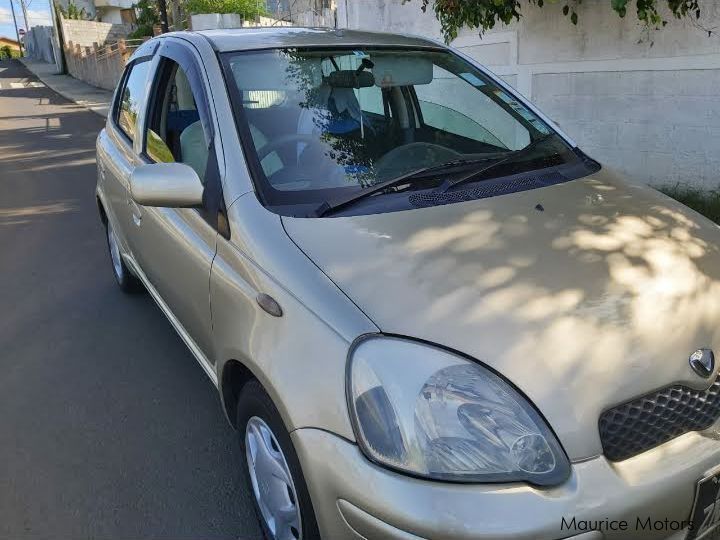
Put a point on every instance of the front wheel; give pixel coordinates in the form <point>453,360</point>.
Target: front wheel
<point>281,497</point>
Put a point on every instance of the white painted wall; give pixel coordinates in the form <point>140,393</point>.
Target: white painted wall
<point>650,110</point>
<point>109,14</point>
<point>39,43</point>
<point>213,21</point>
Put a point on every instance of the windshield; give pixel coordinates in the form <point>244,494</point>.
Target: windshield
<point>318,124</point>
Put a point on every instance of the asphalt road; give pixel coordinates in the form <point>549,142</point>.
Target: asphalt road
<point>108,427</point>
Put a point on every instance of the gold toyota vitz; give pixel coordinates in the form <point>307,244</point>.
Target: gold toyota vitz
<point>428,313</point>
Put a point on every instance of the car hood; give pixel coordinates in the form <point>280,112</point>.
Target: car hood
<point>584,294</point>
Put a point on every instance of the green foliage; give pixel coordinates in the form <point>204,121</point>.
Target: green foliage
<point>6,52</point>
<point>484,14</point>
<point>142,30</point>
<point>73,11</point>
<point>704,202</point>
<point>148,14</point>
<point>248,9</point>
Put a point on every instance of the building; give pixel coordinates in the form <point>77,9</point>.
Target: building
<point>8,42</point>
<point>110,11</point>
<point>115,11</point>
<point>299,10</point>
<point>646,104</point>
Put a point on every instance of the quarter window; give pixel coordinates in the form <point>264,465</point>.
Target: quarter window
<point>131,98</point>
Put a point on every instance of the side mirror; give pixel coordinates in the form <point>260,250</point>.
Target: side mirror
<point>172,185</point>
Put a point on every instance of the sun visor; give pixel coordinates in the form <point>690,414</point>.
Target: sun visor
<point>258,72</point>
<point>401,70</point>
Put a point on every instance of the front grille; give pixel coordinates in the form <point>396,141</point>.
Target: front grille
<point>655,418</point>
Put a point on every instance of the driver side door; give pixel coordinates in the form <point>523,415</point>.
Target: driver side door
<point>175,247</point>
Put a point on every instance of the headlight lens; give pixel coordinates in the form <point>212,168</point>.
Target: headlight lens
<point>424,411</point>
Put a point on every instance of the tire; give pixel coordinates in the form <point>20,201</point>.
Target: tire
<point>263,433</point>
<point>125,278</point>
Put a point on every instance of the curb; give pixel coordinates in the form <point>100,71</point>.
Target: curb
<point>101,109</point>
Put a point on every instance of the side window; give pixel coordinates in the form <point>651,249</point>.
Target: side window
<point>131,98</point>
<point>174,129</point>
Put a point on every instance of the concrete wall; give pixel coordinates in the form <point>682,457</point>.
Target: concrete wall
<point>650,109</point>
<point>86,33</point>
<point>213,21</point>
<point>39,44</point>
<point>95,52</point>
<point>99,67</point>
<point>304,12</point>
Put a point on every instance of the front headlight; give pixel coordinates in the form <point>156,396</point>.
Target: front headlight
<point>427,412</point>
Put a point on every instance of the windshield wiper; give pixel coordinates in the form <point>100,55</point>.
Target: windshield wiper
<point>327,207</point>
<point>511,157</point>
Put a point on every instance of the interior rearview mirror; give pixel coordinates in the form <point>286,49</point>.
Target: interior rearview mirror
<point>172,185</point>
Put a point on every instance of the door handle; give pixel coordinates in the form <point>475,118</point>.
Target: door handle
<point>136,212</point>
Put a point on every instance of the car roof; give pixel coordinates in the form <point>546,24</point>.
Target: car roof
<point>244,39</point>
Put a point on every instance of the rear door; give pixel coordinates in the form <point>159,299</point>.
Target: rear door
<point>175,247</point>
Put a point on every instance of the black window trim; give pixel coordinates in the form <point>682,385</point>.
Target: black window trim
<point>181,55</point>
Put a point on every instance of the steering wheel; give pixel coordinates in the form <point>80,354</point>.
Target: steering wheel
<point>285,140</point>
<point>317,174</point>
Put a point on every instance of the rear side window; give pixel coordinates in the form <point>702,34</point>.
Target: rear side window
<point>131,98</point>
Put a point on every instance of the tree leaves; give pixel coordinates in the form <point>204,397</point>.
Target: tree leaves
<point>620,6</point>
<point>484,14</point>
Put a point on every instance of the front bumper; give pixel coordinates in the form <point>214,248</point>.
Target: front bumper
<point>354,498</point>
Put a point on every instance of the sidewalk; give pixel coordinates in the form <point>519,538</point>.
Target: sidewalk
<point>90,97</point>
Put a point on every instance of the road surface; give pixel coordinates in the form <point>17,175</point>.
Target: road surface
<point>108,427</point>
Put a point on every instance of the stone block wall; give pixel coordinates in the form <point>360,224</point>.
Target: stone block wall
<point>86,33</point>
<point>99,67</point>
<point>646,105</point>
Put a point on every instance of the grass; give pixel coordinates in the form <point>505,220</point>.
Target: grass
<point>705,202</point>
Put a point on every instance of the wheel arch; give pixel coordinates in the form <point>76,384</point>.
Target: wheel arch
<point>235,375</point>
<point>101,210</point>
